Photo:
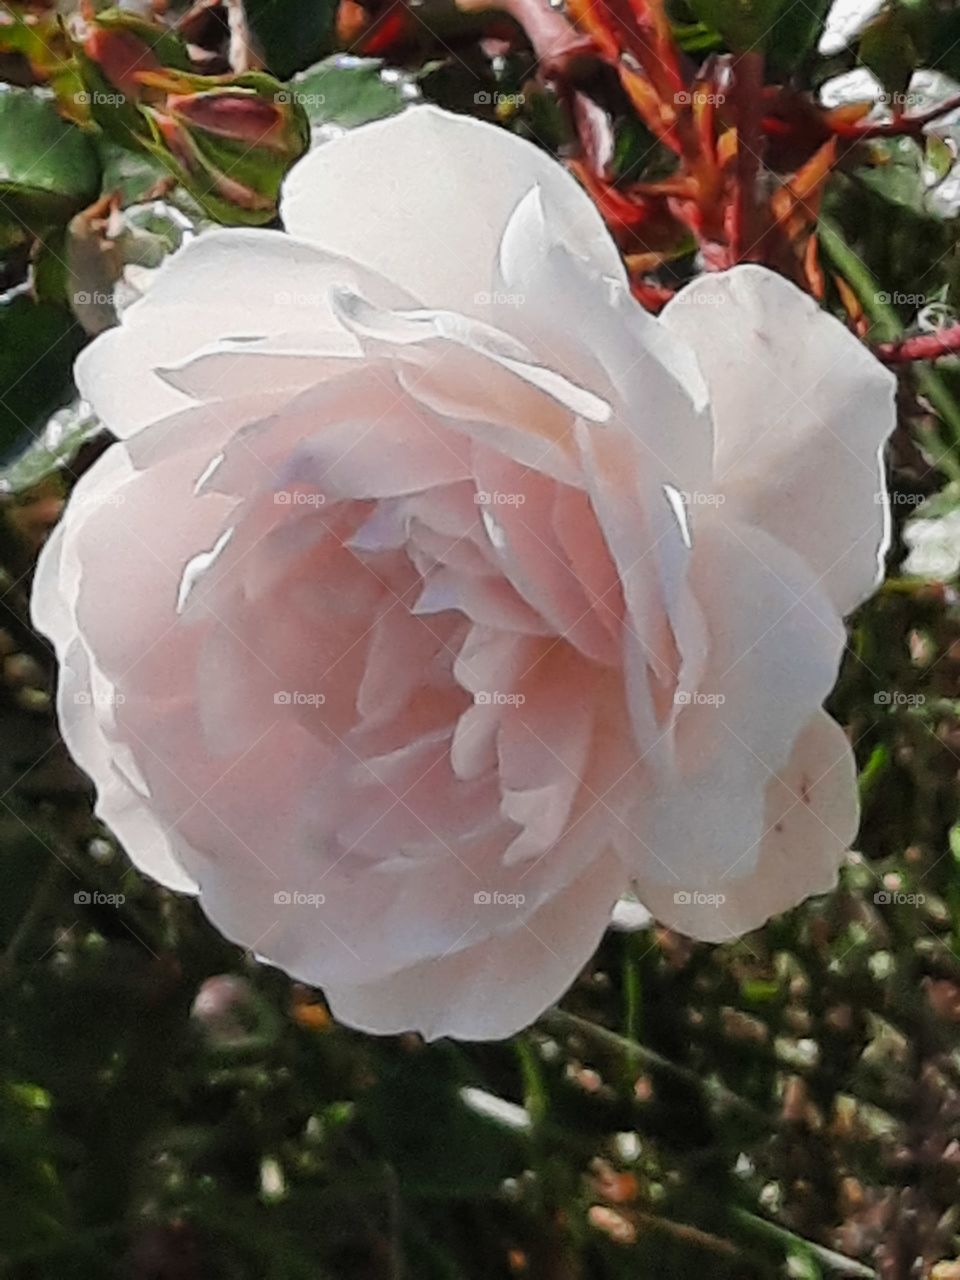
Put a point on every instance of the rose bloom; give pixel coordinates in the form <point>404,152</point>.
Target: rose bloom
<point>436,594</point>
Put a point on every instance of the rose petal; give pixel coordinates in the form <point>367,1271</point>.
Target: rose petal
<point>355,197</point>
<point>473,993</point>
<point>809,821</point>
<point>224,285</point>
<point>774,648</point>
<point>802,411</point>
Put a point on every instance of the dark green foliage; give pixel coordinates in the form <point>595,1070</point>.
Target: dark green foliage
<point>786,1105</point>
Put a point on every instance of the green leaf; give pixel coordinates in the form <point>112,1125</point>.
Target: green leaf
<point>291,36</point>
<point>348,91</point>
<point>743,24</point>
<point>896,173</point>
<point>794,37</point>
<point>39,342</point>
<point>440,1148</point>
<point>56,447</point>
<point>696,37</point>
<point>638,156</point>
<point>132,174</point>
<point>887,49</point>
<point>48,169</point>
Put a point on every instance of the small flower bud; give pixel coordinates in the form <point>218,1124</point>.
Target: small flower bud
<point>231,142</point>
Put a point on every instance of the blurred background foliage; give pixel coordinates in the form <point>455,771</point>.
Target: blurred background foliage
<point>784,1105</point>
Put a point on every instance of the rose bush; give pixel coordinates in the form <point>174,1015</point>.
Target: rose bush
<point>436,594</point>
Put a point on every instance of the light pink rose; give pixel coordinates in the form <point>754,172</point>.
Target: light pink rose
<point>437,594</point>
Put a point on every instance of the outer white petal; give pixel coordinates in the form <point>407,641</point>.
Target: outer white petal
<point>810,820</point>
<point>225,285</point>
<point>424,198</point>
<point>85,696</point>
<point>801,414</point>
<point>84,709</point>
<point>494,989</point>
<point>774,646</point>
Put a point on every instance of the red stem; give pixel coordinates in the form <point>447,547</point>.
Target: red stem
<point>901,126</point>
<point>923,346</point>
<point>747,72</point>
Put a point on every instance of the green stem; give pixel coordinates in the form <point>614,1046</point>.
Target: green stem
<point>888,328</point>
<point>31,917</point>
<point>559,1022</point>
<point>780,1235</point>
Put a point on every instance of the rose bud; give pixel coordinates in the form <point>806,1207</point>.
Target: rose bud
<point>232,1016</point>
<point>116,51</point>
<point>232,144</point>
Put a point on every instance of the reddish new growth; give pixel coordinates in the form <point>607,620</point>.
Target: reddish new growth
<point>752,159</point>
